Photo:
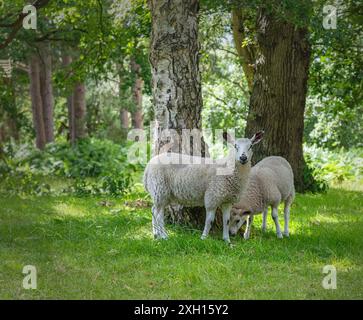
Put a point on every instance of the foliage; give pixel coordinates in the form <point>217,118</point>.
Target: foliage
<point>101,160</point>
<point>313,181</point>
<point>335,109</point>
<point>334,167</point>
<point>115,185</point>
<point>22,181</point>
<point>225,93</point>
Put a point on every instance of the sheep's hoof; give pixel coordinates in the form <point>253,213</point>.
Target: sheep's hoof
<point>203,237</point>
<point>246,236</point>
<point>279,235</point>
<point>227,241</point>
<point>286,234</point>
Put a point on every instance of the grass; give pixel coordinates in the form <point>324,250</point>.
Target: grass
<point>86,248</point>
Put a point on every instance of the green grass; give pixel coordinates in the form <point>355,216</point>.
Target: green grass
<point>85,250</point>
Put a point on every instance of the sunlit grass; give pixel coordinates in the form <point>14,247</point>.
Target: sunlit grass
<point>86,248</point>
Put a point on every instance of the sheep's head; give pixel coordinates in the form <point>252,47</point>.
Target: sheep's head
<point>243,146</point>
<point>238,218</point>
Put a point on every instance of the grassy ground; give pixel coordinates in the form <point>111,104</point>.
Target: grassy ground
<point>86,248</point>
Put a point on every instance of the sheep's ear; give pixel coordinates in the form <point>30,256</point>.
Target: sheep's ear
<point>257,137</point>
<point>227,137</point>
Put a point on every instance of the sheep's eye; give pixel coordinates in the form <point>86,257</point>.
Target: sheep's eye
<point>238,220</point>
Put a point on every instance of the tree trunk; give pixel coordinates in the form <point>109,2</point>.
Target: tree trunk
<point>279,93</point>
<point>79,105</point>
<point>67,60</point>
<point>47,91</point>
<point>137,117</point>
<point>246,51</point>
<point>11,124</point>
<point>37,104</point>
<point>124,110</point>
<point>176,81</point>
<point>124,118</point>
<point>76,104</point>
<point>174,57</point>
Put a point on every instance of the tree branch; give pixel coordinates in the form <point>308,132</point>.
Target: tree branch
<point>17,24</point>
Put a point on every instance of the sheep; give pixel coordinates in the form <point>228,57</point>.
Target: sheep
<point>271,181</point>
<point>196,182</point>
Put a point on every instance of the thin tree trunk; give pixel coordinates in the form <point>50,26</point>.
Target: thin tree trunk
<point>176,81</point>
<point>79,105</point>
<point>124,112</point>
<point>67,60</point>
<point>124,118</point>
<point>279,93</point>
<point>76,103</point>
<point>246,51</point>
<point>11,124</point>
<point>137,117</point>
<point>37,104</point>
<point>47,91</point>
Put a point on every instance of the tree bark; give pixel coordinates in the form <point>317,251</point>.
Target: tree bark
<point>124,110</point>
<point>11,126</point>
<point>79,105</point>
<point>176,82</point>
<point>36,98</point>
<point>246,52</point>
<point>124,118</point>
<point>174,58</point>
<point>76,104</point>
<point>137,116</point>
<point>278,98</point>
<point>67,60</point>
<point>47,91</point>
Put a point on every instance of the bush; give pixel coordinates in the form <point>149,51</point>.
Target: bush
<point>24,182</point>
<point>88,158</point>
<point>333,167</point>
<point>95,167</point>
<point>313,181</point>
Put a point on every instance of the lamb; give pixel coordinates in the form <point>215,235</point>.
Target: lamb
<point>271,181</point>
<point>196,181</point>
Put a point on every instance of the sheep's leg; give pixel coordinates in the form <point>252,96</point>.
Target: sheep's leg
<point>226,209</point>
<point>275,217</point>
<point>264,219</point>
<point>210,215</point>
<point>247,233</point>
<point>287,216</point>
<point>158,223</point>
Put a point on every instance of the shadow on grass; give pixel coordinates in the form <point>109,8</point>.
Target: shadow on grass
<point>81,226</point>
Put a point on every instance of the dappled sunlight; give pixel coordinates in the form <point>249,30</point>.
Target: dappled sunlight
<point>65,209</point>
<point>350,186</point>
<point>97,243</point>
<point>324,218</point>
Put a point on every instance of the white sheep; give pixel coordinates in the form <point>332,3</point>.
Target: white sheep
<point>172,178</point>
<point>271,182</point>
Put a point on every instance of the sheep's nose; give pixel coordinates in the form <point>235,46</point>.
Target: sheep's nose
<point>243,158</point>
